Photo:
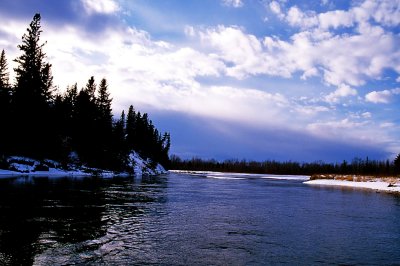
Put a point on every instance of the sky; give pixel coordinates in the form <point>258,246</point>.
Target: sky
<point>234,79</point>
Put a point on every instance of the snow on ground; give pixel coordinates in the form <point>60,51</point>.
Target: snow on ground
<point>144,167</point>
<point>22,166</point>
<point>375,185</point>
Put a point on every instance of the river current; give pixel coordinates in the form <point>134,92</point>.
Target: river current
<point>201,219</point>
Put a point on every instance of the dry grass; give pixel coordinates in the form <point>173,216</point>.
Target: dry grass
<point>357,178</point>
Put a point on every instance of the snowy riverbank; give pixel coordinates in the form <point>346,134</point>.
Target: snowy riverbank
<point>389,184</point>
<point>23,166</point>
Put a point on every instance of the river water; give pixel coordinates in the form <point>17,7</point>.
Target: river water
<point>186,219</point>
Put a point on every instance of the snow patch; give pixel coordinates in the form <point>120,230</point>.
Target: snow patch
<point>23,166</point>
<point>142,167</point>
<point>375,185</point>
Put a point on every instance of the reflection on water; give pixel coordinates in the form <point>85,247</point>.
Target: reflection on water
<point>183,219</point>
<point>69,217</point>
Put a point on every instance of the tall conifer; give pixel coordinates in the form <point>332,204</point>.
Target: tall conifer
<point>104,124</point>
<point>32,95</point>
<point>5,101</point>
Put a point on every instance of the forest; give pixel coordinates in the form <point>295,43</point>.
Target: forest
<point>76,126</point>
<point>356,167</point>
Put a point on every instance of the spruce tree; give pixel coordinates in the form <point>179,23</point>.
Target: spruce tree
<point>33,74</point>
<point>86,121</point>
<point>5,100</point>
<point>4,75</point>
<point>397,164</point>
<point>131,129</point>
<point>104,124</point>
<point>119,147</point>
<point>90,89</point>
<point>104,103</point>
<point>32,95</point>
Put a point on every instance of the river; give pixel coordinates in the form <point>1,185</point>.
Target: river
<point>203,219</point>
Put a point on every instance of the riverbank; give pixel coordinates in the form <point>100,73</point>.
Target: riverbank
<point>384,184</point>
<point>23,166</point>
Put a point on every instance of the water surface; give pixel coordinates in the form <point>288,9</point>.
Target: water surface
<point>181,219</point>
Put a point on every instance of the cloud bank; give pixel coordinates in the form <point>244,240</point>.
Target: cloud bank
<point>227,73</point>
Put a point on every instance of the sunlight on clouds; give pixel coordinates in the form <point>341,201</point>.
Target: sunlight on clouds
<point>100,6</point>
<point>349,131</point>
<point>342,91</point>
<point>228,73</point>
<point>276,9</point>
<point>296,17</point>
<point>384,96</point>
<point>343,58</point>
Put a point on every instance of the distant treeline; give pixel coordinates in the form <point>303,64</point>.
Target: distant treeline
<point>76,126</point>
<point>356,166</point>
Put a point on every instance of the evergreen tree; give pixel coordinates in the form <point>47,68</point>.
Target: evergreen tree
<point>104,124</point>
<point>44,123</point>
<point>131,129</point>
<point>85,129</point>
<point>5,100</point>
<point>166,145</point>
<point>104,103</point>
<point>397,164</point>
<point>119,148</point>
<point>90,89</point>
<point>4,75</point>
<point>32,95</point>
<point>33,74</point>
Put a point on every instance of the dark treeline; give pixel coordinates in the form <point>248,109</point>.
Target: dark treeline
<point>76,126</point>
<point>356,166</point>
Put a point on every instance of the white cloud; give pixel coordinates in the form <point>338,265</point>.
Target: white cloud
<point>311,110</point>
<point>385,12</point>
<point>341,59</point>
<point>349,131</point>
<point>233,3</point>
<point>335,19</point>
<point>366,115</point>
<point>384,96</point>
<point>159,75</point>
<point>387,125</point>
<point>237,49</point>
<point>342,91</point>
<point>100,6</point>
<point>276,9</point>
<point>296,17</point>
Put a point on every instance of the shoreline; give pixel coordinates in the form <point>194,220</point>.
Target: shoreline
<point>27,167</point>
<point>378,184</point>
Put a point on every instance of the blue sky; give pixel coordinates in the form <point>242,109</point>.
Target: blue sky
<point>246,79</point>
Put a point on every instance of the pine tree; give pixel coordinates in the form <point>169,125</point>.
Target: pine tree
<point>131,129</point>
<point>119,147</point>
<point>5,107</point>
<point>104,124</point>
<point>33,74</point>
<point>86,124</point>
<point>32,95</point>
<point>166,145</point>
<point>104,102</point>
<point>90,89</point>
<point>48,124</point>
<point>397,164</point>
<point>4,75</point>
